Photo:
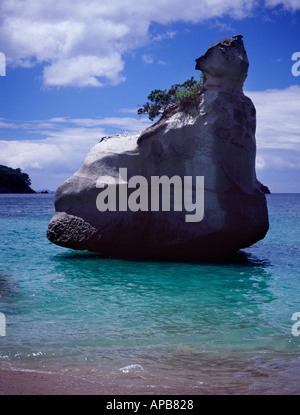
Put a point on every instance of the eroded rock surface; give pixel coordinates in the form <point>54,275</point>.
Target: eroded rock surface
<point>212,137</point>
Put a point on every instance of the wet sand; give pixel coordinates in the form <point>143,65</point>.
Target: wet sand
<point>20,382</point>
<point>31,382</point>
<point>270,380</point>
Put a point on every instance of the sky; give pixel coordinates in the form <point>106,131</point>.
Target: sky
<point>75,71</point>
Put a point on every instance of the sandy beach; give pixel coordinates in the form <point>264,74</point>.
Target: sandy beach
<point>21,382</point>
<point>255,381</point>
<point>14,381</point>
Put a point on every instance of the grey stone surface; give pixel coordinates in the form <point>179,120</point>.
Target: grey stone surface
<point>214,137</point>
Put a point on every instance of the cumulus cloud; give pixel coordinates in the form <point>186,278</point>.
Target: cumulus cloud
<point>83,43</point>
<point>277,134</point>
<point>84,71</point>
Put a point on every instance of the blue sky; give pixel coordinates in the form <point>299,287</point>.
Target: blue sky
<point>78,70</point>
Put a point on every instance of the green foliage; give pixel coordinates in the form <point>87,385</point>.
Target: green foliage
<point>14,181</point>
<point>178,93</point>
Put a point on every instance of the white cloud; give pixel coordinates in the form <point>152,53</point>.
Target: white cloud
<point>128,110</point>
<point>147,59</point>
<point>163,36</point>
<point>60,144</point>
<point>83,43</point>
<point>287,4</point>
<point>278,128</point>
<point>84,71</point>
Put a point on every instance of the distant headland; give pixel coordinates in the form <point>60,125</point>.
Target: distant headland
<point>14,181</point>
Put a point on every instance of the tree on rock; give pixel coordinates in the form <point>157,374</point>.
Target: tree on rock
<point>160,100</point>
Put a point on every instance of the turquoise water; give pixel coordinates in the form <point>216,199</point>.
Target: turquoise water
<point>208,327</point>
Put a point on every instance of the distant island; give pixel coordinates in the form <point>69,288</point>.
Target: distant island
<point>14,181</point>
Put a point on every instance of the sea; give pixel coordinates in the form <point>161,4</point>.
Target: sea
<point>228,326</point>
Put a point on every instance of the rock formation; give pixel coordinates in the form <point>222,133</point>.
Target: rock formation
<point>213,138</point>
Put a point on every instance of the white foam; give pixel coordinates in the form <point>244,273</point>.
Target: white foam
<point>132,368</point>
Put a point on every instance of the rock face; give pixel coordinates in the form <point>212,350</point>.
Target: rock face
<point>213,138</point>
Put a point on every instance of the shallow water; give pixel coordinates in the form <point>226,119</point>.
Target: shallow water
<point>215,327</point>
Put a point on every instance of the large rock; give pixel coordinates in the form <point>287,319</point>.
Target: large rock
<point>212,137</point>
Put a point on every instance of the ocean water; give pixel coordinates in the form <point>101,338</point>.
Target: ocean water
<point>195,327</point>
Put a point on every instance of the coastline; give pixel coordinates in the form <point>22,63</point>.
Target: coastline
<point>30,382</point>
<point>273,378</point>
<point>20,381</point>
<point>25,381</point>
